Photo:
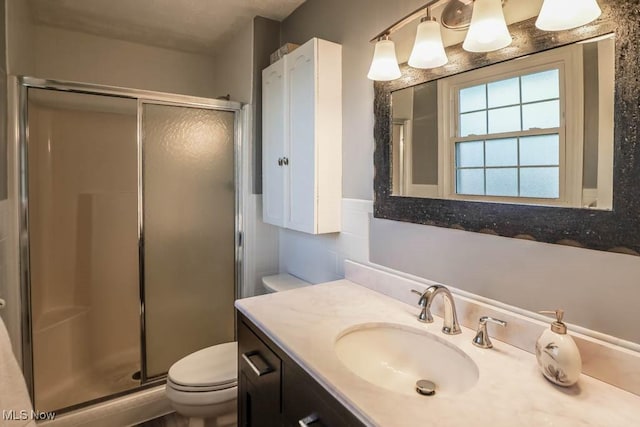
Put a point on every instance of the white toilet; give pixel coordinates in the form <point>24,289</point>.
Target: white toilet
<point>204,385</point>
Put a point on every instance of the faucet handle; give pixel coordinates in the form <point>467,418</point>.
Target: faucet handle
<point>425,314</point>
<point>482,336</point>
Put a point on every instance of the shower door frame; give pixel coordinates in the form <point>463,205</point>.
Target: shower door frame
<point>141,97</point>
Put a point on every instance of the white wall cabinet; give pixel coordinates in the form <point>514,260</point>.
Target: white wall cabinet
<point>302,139</point>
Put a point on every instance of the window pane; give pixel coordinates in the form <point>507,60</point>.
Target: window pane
<point>470,154</point>
<point>504,92</point>
<point>539,182</point>
<point>473,123</point>
<point>541,115</point>
<point>502,182</point>
<point>473,98</point>
<point>539,86</point>
<point>504,120</point>
<point>502,152</point>
<point>470,181</point>
<point>540,150</point>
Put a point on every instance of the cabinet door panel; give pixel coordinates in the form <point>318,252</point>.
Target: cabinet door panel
<point>273,144</point>
<point>301,80</point>
<point>303,398</point>
<point>259,380</point>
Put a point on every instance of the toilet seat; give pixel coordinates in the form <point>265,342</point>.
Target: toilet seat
<point>202,398</point>
<point>201,389</point>
<point>211,369</point>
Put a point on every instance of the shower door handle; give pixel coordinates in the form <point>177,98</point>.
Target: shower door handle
<point>264,366</point>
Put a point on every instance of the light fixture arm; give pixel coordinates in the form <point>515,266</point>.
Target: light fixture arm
<point>407,19</point>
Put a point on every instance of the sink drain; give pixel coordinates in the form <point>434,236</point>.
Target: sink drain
<point>426,387</point>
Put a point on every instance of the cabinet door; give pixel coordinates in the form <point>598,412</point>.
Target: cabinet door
<point>305,402</point>
<point>259,381</point>
<point>273,144</point>
<point>301,182</point>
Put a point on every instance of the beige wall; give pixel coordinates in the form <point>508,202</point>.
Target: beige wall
<point>47,52</point>
<point>505,269</point>
<point>67,55</point>
<point>233,67</point>
<point>20,43</point>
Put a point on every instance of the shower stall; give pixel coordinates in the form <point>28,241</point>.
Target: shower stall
<point>129,236</point>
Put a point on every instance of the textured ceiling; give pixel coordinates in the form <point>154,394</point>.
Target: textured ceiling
<point>199,26</point>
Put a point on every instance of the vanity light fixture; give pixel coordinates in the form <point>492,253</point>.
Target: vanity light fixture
<point>558,15</point>
<point>428,49</point>
<point>384,66</point>
<point>488,30</point>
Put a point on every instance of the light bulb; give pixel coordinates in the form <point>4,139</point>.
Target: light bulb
<point>558,15</point>
<point>428,49</point>
<point>384,66</point>
<point>488,30</point>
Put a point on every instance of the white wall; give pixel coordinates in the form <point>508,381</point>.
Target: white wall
<point>430,251</point>
<point>320,258</point>
<point>11,311</point>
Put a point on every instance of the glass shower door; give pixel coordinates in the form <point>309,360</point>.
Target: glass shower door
<point>83,246</point>
<point>189,224</point>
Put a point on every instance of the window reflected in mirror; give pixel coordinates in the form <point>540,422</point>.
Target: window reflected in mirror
<point>533,130</point>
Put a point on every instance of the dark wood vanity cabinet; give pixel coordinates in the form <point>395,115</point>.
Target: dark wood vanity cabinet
<point>273,390</point>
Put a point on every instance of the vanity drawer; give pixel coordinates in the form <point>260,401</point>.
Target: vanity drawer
<point>259,381</point>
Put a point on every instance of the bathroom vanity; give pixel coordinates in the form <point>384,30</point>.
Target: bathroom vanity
<point>311,356</point>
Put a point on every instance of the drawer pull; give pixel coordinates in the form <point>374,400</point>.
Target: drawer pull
<point>263,370</point>
<point>308,420</point>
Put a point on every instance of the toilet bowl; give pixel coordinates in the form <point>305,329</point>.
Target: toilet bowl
<point>204,385</point>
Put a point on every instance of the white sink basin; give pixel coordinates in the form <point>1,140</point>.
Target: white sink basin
<point>394,357</point>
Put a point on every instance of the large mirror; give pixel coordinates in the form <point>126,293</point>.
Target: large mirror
<point>536,141</point>
<point>531,130</point>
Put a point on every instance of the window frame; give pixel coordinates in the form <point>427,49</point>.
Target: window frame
<point>568,60</point>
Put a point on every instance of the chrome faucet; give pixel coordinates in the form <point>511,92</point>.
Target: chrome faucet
<point>482,339</point>
<point>450,326</point>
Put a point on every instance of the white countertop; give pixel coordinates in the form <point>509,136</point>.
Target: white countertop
<point>510,390</point>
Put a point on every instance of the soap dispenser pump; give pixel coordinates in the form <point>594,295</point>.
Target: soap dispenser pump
<point>557,353</point>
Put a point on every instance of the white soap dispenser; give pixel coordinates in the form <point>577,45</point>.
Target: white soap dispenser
<point>557,353</point>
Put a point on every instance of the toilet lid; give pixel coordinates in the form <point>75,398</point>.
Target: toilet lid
<point>210,367</point>
<point>283,282</point>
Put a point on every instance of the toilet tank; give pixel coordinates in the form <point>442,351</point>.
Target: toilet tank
<point>282,282</point>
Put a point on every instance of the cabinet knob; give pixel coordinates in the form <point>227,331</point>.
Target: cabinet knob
<point>309,420</point>
<point>279,161</point>
<point>285,161</point>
